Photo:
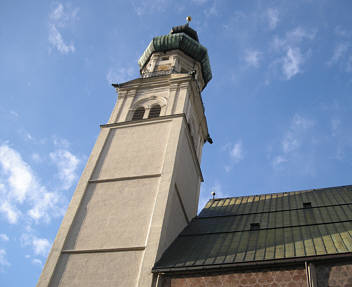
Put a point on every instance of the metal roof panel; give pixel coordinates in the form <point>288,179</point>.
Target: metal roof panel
<point>222,233</point>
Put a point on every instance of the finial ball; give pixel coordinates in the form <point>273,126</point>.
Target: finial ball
<point>188,19</point>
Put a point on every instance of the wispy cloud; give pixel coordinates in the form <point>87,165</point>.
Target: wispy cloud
<point>37,261</point>
<point>335,125</point>
<point>4,237</point>
<point>252,58</point>
<point>199,2</point>
<point>14,114</point>
<point>36,157</point>
<point>67,165</point>
<point>279,160</point>
<point>342,56</point>
<point>290,52</point>
<point>9,211</point>
<point>292,62</point>
<point>59,18</point>
<point>272,18</point>
<point>149,6</point>
<point>211,10</point>
<point>339,51</point>
<point>40,246</point>
<point>120,75</point>
<point>235,153</point>
<point>234,150</point>
<point>293,138</point>
<point>3,260</point>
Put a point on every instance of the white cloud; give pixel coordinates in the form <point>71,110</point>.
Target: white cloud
<point>11,213</point>
<point>279,160</point>
<point>252,58</point>
<point>20,177</point>
<point>66,164</point>
<point>293,139</point>
<point>273,17</point>
<point>61,143</point>
<point>349,64</point>
<point>339,51</point>
<point>14,114</point>
<point>292,62</point>
<point>299,34</point>
<point>46,205</point>
<point>4,237</point>
<point>3,260</point>
<point>149,6</point>
<point>199,2</point>
<point>339,31</point>
<point>37,261</point>
<point>236,152</point>
<point>21,192</point>
<point>301,123</point>
<point>57,41</point>
<point>41,246</point>
<point>212,10</point>
<point>60,18</point>
<point>120,75</point>
<point>335,124</point>
<point>36,157</point>
<point>289,48</point>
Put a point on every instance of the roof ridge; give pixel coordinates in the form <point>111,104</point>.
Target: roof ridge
<point>292,191</point>
<point>269,211</point>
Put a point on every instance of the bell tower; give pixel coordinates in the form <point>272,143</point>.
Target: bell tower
<point>141,184</point>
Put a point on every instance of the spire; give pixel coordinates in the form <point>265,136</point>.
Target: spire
<point>186,29</point>
<point>182,38</point>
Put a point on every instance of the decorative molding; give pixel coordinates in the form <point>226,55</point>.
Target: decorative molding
<point>98,180</point>
<point>103,250</point>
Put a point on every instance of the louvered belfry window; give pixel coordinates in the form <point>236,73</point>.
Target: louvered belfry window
<point>154,111</point>
<point>138,114</point>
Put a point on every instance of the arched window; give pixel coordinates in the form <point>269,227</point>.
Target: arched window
<point>138,114</point>
<point>154,111</point>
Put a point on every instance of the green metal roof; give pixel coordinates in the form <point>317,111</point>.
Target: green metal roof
<point>292,225</point>
<point>179,40</point>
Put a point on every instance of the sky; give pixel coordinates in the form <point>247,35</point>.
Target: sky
<point>279,106</point>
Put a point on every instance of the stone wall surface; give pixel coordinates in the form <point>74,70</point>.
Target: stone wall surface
<point>334,275</point>
<point>276,278</point>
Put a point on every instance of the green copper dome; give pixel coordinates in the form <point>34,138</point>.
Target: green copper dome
<point>182,38</point>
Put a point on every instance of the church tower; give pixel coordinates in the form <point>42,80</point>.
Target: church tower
<point>141,184</point>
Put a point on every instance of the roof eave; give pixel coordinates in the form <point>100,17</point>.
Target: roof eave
<point>249,265</point>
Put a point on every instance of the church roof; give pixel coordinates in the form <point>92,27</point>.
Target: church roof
<point>262,229</point>
<point>185,39</point>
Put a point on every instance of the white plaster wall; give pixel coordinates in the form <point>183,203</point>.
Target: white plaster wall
<point>187,181</point>
<point>114,215</point>
<point>174,222</point>
<point>186,175</point>
<point>97,269</point>
<point>133,151</point>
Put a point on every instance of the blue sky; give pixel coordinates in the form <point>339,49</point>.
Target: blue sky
<point>279,106</point>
